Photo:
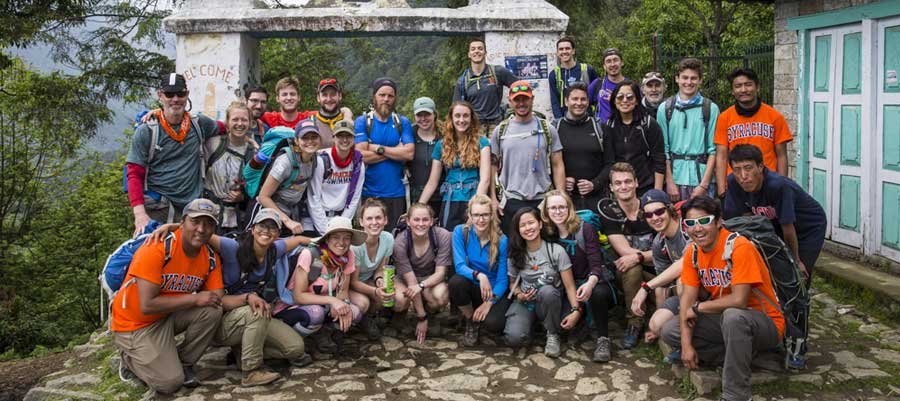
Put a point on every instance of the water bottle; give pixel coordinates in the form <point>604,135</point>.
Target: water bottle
<point>259,161</point>
<point>604,241</point>
<point>389,285</point>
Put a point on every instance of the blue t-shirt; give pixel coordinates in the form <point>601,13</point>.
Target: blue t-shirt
<point>231,272</point>
<point>461,183</point>
<point>384,179</point>
<point>782,201</point>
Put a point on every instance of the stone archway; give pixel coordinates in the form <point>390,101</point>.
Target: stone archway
<point>217,42</point>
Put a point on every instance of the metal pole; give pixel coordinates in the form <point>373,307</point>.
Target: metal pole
<point>656,51</point>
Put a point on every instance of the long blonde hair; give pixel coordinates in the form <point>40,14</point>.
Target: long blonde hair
<point>493,229</point>
<point>572,221</point>
<point>468,151</point>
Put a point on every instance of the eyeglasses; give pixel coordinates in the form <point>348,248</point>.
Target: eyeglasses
<point>703,221</point>
<point>481,216</point>
<point>327,81</point>
<point>267,227</point>
<point>558,208</point>
<point>520,88</point>
<point>625,96</point>
<point>658,212</point>
<point>170,95</point>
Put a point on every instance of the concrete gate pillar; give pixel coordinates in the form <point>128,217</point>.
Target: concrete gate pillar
<point>217,67</point>
<point>503,44</point>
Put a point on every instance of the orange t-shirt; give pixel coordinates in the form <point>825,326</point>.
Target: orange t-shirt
<point>182,275</point>
<point>765,129</point>
<point>748,267</point>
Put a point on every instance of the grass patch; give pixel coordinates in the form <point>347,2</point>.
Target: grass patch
<point>866,301</point>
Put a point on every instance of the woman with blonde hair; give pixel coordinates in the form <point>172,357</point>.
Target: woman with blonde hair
<point>467,158</point>
<point>592,277</point>
<point>479,255</point>
<point>227,156</point>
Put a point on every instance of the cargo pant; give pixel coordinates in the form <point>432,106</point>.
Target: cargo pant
<point>730,339</point>
<point>258,337</point>
<point>520,318</point>
<point>151,354</point>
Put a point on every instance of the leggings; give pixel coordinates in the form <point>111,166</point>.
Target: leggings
<point>464,292</point>
<point>308,319</point>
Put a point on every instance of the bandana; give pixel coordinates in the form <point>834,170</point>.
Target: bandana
<point>182,131</point>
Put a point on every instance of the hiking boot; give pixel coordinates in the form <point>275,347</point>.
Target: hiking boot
<point>470,337</point>
<point>552,347</point>
<point>127,376</point>
<point>190,378</point>
<point>632,334</point>
<point>795,362</point>
<point>258,377</point>
<point>323,341</point>
<point>602,352</point>
<point>369,327</point>
<point>301,361</point>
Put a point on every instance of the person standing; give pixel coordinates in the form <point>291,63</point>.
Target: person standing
<point>227,156</point>
<point>565,74</point>
<point>426,134</point>
<point>581,136</point>
<point>653,91</point>
<point>481,85</point>
<point>601,89</point>
<point>329,95</point>
<point>635,138</point>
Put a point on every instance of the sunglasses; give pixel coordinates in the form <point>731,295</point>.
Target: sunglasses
<point>703,221</point>
<point>327,81</point>
<point>520,88</point>
<point>170,95</point>
<point>625,96</point>
<point>652,74</point>
<point>657,213</point>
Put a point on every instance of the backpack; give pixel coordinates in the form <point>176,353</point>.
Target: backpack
<point>788,281</point>
<point>277,141</point>
<point>467,76</point>
<point>315,266</point>
<point>154,147</point>
<point>645,122</point>
<point>598,131</point>
<point>222,148</point>
<point>398,125</point>
<point>560,86</point>
<point>706,105</point>
<point>403,229</point>
<point>543,132</point>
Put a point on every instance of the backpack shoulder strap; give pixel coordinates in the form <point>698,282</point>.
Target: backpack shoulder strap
<point>544,128</point>
<point>598,131</point>
<point>170,239</point>
<point>579,236</point>
<point>706,106</point>
<point>432,238</point>
<point>315,265</point>
<point>369,126</point>
<point>218,151</point>
<point>398,125</point>
<point>326,161</point>
<point>670,108</point>
<point>584,72</point>
<point>694,262</point>
<point>212,260</point>
<point>195,125</point>
<point>153,124</point>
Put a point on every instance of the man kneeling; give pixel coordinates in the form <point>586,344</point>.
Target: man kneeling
<point>171,287</point>
<point>739,316</point>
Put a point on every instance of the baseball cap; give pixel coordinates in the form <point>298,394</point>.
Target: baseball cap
<point>201,207</point>
<point>267,214</point>
<point>653,196</point>
<point>305,127</point>
<point>652,76</point>
<point>423,104</point>
<point>328,83</point>
<point>383,81</point>
<point>173,83</point>
<point>612,51</point>
<point>344,127</point>
<point>519,88</point>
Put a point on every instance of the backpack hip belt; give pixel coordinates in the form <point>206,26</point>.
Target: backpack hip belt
<point>457,186</point>
<point>697,159</point>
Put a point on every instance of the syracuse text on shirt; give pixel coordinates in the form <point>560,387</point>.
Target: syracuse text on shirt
<point>176,282</point>
<point>768,211</point>
<point>747,130</point>
<point>714,277</point>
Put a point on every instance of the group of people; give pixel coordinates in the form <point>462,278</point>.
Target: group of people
<point>516,221</point>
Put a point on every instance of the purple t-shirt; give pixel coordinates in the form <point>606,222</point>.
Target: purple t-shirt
<point>602,98</point>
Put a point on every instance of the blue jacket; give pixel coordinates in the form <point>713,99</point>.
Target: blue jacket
<point>478,260</point>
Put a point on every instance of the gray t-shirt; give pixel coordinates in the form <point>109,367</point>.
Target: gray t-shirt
<point>423,265</point>
<point>543,267</point>
<point>174,171</point>
<point>525,172</point>
<point>667,250</point>
<point>288,198</point>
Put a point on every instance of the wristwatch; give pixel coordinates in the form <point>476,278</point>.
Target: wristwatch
<point>646,286</point>
<point>696,308</point>
<point>422,318</point>
<point>422,285</point>
<point>379,150</point>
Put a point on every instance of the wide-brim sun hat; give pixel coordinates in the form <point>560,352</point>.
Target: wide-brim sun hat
<point>342,224</point>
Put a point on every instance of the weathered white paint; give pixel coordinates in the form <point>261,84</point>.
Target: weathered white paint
<point>502,44</point>
<point>216,66</point>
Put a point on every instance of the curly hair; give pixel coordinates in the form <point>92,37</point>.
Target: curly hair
<point>468,151</point>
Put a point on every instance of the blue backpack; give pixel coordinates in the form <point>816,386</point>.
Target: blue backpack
<point>590,217</point>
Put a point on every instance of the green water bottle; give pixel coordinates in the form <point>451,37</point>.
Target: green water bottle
<point>389,285</point>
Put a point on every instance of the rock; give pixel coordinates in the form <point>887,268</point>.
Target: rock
<point>569,372</point>
<point>44,393</point>
<point>192,397</point>
<point>705,381</point>
<point>542,361</point>
<point>450,364</point>
<point>391,344</point>
<point>86,350</point>
<point>457,382</point>
<point>576,355</point>
<point>621,379</point>
<point>850,360</point>
<point>531,388</point>
<point>514,396</point>
<point>510,374</point>
<point>887,355</point>
<point>250,390</point>
<point>80,379</point>
<point>393,376</point>
<point>863,373</point>
<point>659,381</point>
<point>374,397</point>
<point>424,372</point>
<point>446,396</point>
<point>814,379</point>
<point>275,397</point>
<point>643,363</point>
<point>347,386</point>
<point>304,371</point>
<point>679,371</point>
<point>336,378</point>
<point>337,397</point>
<point>873,328</point>
<point>763,377</point>
<point>346,365</point>
<point>407,363</point>
<point>468,356</point>
<point>590,386</point>
<point>495,368</point>
<point>221,396</point>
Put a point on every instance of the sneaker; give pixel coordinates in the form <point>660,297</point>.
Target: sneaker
<point>552,347</point>
<point>190,378</point>
<point>602,352</point>
<point>674,358</point>
<point>369,327</point>
<point>301,361</point>
<point>258,377</point>
<point>632,334</point>
<point>795,362</point>
<point>127,376</point>
<point>470,337</point>
<point>323,341</point>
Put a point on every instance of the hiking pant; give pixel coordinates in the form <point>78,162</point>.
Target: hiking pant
<point>453,213</point>
<point>598,305</point>
<point>685,191</point>
<point>520,317</point>
<point>631,284</point>
<point>162,211</point>
<point>512,206</point>
<point>396,207</point>
<point>464,292</point>
<point>730,338</point>
<point>151,354</point>
<point>258,337</point>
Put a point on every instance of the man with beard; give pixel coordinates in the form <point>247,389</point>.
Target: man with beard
<point>565,74</point>
<point>582,149</point>
<point>653,87</point>
<point>482,85</point>
<point>329,96</point>
<point>257,101</point>
<point>601,88</point>
<point>386,142</point>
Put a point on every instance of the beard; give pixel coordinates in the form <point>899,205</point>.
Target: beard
<point>384,109</point>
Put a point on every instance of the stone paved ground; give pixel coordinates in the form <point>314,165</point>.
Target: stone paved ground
<point>852,358</point>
